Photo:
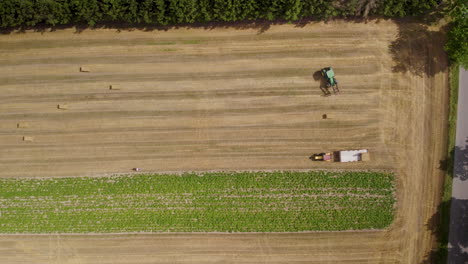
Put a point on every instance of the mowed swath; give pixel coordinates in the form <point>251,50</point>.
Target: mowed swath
<point>190,103</point>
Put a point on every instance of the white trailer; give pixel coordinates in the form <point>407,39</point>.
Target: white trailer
<point>351,155</point>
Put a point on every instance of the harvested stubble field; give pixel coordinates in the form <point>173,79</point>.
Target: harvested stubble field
<point>194,99</point>
<point>207,202</point>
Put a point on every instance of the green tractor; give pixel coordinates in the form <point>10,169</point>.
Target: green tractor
<point>329,76</point>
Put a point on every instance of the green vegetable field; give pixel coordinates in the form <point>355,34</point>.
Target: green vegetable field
<point>207,202</point>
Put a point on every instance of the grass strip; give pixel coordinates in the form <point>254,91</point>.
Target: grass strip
<point>207,202</point>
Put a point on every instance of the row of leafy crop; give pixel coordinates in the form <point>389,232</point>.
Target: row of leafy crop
<point>247,203</point>
<point>14,13</point>
<point>213,182</point>
<point>135,221</point>
<point>223,202</point>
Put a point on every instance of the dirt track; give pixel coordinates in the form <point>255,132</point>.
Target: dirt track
<point>222,99</point>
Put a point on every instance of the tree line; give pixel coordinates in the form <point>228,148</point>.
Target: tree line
<point>457,39</point>
<point>27,13</point>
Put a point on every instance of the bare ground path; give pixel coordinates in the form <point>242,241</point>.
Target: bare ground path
<point>222,99</point>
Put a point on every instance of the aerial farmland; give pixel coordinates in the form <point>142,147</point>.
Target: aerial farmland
<point>193,144</point>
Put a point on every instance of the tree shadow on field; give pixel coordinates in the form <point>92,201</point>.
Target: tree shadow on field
<point>450,222</point>
<point>450,225</point>
<point>456,164</point>
<point>447,164</point>
<point>417,49</point>
<point>260,25</point>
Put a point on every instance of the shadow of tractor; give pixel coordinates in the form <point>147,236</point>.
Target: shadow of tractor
<point>322,83</point>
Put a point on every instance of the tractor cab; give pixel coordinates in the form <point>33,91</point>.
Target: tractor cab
<point>329,76</point>
<point>321,157</point>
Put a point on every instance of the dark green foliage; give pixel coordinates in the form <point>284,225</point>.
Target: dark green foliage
<point>16,13</point>
<point>205,8</point>
<point>320,9</point>
<point>85,11</point>
<point>182,11</point>
<point>401,8</point>
<point>20,13</point>
<point>51,12</point>
<point>229,10</point>
<point>457,44</point>
<point>119,10</point>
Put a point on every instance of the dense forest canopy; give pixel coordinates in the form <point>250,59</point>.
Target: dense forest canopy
<point>457,44</point>
<point>17,13</point>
